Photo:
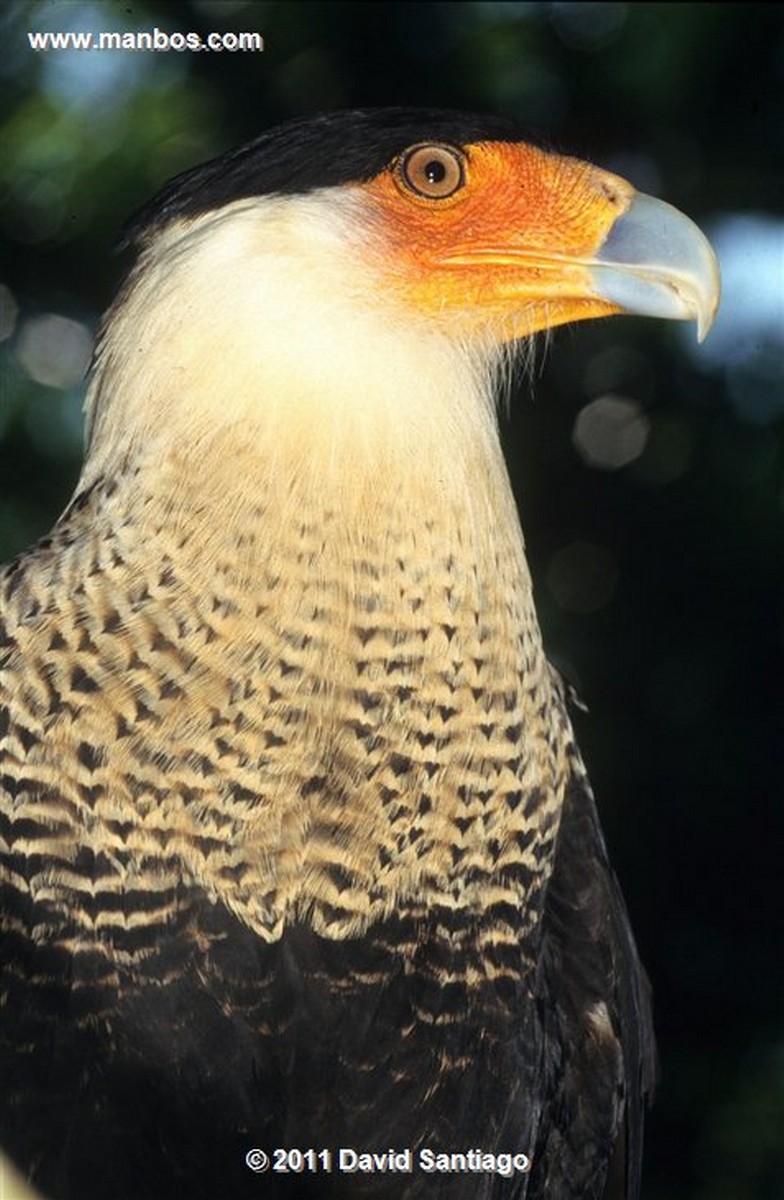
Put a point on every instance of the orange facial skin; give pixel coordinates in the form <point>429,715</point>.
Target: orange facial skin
<point>508,251</point>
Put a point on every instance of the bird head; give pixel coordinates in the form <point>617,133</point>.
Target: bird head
<point>369,262</point>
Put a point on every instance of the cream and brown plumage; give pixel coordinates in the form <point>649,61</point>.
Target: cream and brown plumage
<point>296,846</point>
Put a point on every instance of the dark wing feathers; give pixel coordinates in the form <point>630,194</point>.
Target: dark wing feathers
<point>598,1014</point>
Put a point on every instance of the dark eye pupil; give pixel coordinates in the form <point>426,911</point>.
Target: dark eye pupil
<point>435,171</point>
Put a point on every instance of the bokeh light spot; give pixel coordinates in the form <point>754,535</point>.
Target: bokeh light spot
<point>610,432</point>
<point>54,350</point>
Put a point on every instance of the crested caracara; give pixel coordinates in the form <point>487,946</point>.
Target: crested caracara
<point>297,851</point>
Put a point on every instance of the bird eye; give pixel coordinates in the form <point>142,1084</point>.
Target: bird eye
<point>432,171</point>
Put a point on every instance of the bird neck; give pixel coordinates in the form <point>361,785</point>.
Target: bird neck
<point>297,404</point>
<point>386,504</point>
<point>359,518</point>
<point>258,325</point>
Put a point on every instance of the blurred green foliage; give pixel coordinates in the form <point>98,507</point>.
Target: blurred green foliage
<point>659,581</point>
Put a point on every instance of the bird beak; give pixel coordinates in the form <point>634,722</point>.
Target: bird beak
<point>655,262</point>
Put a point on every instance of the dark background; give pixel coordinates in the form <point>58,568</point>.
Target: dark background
<point>648,470</point>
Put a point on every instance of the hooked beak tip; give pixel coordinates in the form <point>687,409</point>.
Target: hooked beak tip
<point>656,262</point>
